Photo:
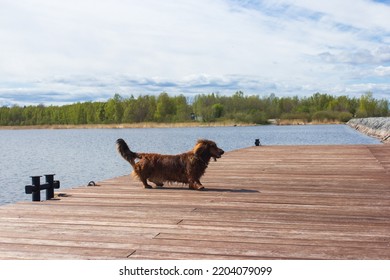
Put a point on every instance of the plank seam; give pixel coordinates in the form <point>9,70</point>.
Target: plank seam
<point>128,256</point>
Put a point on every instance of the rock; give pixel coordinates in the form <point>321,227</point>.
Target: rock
<point>375,127</point>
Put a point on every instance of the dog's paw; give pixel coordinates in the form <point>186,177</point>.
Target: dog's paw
<point>197,187</point>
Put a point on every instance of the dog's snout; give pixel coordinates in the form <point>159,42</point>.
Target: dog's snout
<point>221,151</point>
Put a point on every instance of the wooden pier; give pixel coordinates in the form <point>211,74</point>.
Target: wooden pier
<point>267,202</point>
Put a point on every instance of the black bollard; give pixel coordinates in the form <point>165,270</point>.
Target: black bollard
<point>36,192</point>
<point>50,186</point>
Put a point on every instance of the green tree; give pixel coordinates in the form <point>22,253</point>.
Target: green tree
<point>202,107</point>
<point>114,109</point>
<point>183,110</point>
<point>165,108</point>
<point>217,110</point>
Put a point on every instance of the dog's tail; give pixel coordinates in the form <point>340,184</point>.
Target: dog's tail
<point>125,152</point>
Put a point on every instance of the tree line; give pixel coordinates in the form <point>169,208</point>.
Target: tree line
<point>202,108</point>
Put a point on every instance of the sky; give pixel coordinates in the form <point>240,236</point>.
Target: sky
<point>57,52</point>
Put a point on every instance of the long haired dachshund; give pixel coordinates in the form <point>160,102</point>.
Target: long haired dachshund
<point>185,168</point>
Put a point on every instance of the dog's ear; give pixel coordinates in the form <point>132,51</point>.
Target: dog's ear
<point>200,147</point>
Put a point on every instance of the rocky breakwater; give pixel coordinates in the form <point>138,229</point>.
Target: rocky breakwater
<point>375,127</point>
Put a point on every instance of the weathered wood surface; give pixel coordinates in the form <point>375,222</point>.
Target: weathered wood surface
<point>276,202</point>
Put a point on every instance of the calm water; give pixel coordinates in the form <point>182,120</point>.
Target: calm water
<point>78,156</point>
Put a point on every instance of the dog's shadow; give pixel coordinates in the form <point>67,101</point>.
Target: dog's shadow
<point>230,190</point>
<point>217,190</point>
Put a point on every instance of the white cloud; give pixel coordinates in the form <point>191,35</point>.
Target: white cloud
<point>382,70</point>
<point>78,50</point>
<point>360,14</point>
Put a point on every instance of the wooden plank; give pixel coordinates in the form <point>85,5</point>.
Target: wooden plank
<point>268,202</point>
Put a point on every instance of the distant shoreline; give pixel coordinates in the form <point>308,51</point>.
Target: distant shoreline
<point>124,125</point>
<point>161,125</point>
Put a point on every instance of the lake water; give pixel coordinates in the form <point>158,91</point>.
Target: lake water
<point>78,156</point>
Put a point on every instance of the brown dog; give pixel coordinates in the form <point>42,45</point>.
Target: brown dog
<point>184,168</point>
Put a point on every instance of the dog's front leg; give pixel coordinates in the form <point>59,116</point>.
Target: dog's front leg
<point>145,183</point>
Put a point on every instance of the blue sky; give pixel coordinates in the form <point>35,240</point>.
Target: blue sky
<point>58,52</point>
